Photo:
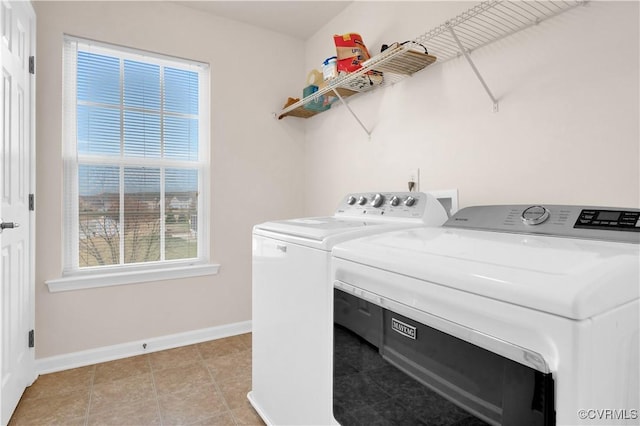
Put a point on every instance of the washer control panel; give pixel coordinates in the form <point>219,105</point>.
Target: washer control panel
<point>622,220</point>
<point>597,223</point>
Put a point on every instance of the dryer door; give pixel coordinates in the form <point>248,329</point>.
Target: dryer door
<point>291,333</point>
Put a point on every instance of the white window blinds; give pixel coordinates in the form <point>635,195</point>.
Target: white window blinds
<point>136,158</point>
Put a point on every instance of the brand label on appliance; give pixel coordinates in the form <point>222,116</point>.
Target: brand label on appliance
<point>404,329</point>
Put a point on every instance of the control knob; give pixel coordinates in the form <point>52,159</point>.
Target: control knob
<point>534,215</point>
<point>351,200</point>
<point>377,200</point>
<point>409,201</point>
<point>394,201</point>
<point>362,200</point>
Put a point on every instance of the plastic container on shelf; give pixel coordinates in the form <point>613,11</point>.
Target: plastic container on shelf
<point>330,68</point>
<point>321,103</point>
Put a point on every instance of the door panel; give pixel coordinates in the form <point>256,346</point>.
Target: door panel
<point>17,21</point>
<point>291,325</point>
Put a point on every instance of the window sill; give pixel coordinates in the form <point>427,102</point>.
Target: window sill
<point>82,282</point>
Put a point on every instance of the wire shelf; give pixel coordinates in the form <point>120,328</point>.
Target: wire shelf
<point>479,26</point>
<point>487,22</point>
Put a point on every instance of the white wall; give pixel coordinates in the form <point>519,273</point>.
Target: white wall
<point>566,131</point>
<point>257,169</point>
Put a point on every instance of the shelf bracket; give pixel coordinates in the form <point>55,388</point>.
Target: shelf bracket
<point>473,66</point>
<point>351,111</point>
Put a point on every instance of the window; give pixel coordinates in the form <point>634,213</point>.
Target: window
<point>136,159</point>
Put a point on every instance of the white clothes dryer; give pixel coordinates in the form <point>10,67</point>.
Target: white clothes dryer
<point>518,315</point>
<point>292,300</point>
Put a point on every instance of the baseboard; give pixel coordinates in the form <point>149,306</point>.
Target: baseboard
<point>258,409</point>
<point>124,350</point>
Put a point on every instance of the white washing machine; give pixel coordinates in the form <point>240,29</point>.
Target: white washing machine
<point>292,300</point>
<point>506,315</point>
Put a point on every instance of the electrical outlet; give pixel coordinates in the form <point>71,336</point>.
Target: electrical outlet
<point>414,176</point>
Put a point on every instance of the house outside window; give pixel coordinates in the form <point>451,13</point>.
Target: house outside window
<point>136,160</point>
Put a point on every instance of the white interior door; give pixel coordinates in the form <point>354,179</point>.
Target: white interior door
<point>17,20</point>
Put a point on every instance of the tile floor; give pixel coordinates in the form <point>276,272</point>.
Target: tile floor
<point>202,384</point>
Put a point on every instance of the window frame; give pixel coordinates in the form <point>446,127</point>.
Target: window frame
<point>74,276</point>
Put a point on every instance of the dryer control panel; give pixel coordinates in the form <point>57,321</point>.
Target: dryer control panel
<point>390,205</point>
<point>595,223</point>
